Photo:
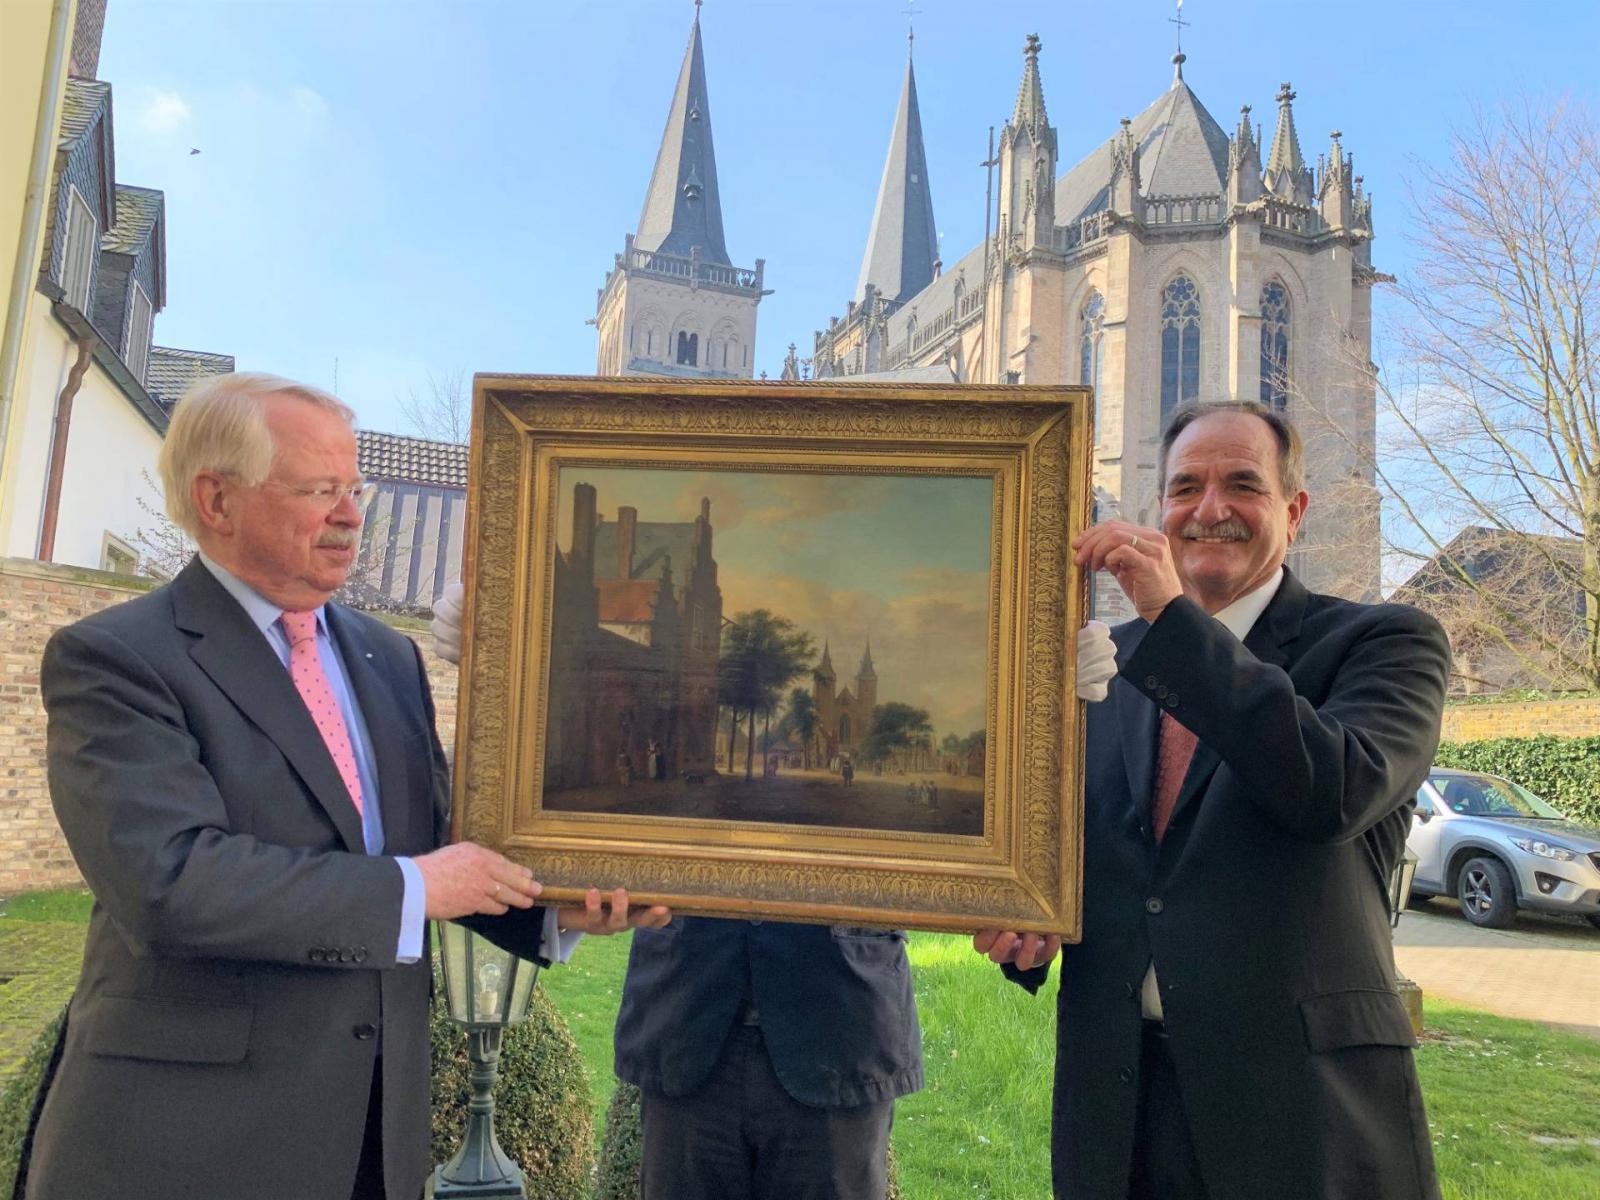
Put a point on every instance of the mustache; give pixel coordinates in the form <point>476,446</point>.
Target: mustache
<point>342,539</point>
<point>1230,530</point>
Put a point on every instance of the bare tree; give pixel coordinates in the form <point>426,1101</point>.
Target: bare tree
<point>443,411</point>
<point>1491,427</point>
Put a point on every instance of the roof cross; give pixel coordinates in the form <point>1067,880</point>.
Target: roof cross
<point>1177,20</point>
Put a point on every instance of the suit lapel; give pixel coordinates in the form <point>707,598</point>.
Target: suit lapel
<point>239,660</point>
<point>1137,718</point>
<point>375,697</point>
<point>1268,639</point>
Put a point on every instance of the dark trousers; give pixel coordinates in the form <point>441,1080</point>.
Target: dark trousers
<point>1164,1165</point>
<point>369,1171</point>
<point>742,1137</point>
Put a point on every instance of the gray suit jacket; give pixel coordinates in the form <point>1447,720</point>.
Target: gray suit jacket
<point>239,977</point>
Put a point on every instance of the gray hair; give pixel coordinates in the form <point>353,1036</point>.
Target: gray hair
<point>221,425</point>
<point>1291,454</point>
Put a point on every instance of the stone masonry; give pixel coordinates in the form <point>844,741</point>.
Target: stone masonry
<point>35,600</point>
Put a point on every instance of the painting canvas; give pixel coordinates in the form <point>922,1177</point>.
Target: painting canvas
<point>799,652</point>
<point>798,647</point>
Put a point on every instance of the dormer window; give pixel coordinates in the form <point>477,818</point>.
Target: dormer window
<point>83,246</point>
<point>136,347</point>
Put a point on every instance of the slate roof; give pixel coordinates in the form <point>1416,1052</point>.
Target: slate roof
<point>80,105</point>
<point>170,373</point>
<point>1182,152</point>
<point>402,459</point>
<point>935,298</point>
<point>682,208</point>
<point>138,210</point>
<point>903,244</point>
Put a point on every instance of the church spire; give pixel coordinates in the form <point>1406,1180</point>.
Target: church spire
<point>866,671</point>
<point>682,209</point>
<point>1287,174</point>
<point>1029,113</point>
<point>903,246</point>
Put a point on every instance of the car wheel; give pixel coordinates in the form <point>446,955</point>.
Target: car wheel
<point>1594,919</point>
<point>1486,893</point>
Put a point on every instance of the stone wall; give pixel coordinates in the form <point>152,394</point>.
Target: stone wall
<point>1560,718</point>
<point>36,599</point>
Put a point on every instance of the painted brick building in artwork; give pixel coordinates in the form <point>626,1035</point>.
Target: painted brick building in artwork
<point>635,635</point>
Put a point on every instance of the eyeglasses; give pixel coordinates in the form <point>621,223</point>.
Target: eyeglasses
<point>329,495</point>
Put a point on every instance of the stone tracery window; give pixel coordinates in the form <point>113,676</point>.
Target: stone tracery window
<point>1275,346</point>
<point>1180,346</point>
<point>1090,318</point>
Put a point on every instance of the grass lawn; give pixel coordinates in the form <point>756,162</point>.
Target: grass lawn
<point>981,1126</point>
<point>48,906</point>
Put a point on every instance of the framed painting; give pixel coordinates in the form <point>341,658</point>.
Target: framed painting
<point>793,651</point>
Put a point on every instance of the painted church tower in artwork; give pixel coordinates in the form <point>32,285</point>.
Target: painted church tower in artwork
<point>674,303</point>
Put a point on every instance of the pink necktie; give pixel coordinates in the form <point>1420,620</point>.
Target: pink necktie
<point>305,668</point>
<point>1172,764</point>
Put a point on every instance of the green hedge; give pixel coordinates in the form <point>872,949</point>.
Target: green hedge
<point>1565,771</point>
<point>543,1102</point>
<point>619,1155</point>
<point>16,1101</point>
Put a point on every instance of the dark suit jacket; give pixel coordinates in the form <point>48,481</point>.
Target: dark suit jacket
<point>1264,908</point>
<point>239,975</point>
<point>838,1016</point>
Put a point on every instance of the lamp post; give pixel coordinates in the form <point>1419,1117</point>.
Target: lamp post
<point>1399,893</point>
<point>486,989</point>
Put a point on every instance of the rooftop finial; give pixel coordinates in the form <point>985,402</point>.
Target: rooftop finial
<point>1285,93</point>
<point>697,4</point>
<point>911,26</point>
<point>1180,57</point>
<point>1031,50</point>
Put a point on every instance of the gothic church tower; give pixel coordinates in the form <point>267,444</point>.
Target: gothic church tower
<point>673,302</point>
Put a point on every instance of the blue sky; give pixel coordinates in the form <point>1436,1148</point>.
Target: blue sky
<point>413,188</point>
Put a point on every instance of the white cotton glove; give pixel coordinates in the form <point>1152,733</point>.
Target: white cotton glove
<point>1097,660</point>
<point>447,624</point>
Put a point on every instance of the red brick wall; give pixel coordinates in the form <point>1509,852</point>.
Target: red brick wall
<point>35,600</point>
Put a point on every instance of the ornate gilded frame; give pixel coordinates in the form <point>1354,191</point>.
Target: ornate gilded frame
<point>1023,872</point>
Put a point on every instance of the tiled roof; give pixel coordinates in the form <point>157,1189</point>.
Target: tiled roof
<point>627,601</point>
<point>138,210</point>
<point>170,373</point>
<point>411,459</point>
<point>82,102</point>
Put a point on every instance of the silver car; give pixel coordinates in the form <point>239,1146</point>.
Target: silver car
<point>1496,847</point>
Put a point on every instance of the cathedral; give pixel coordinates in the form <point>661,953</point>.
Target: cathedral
<point>1174,262</point>
<point>844,718</point>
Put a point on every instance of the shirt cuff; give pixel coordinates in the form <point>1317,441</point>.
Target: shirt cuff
<point>556,945</point>
<point>412,908</point>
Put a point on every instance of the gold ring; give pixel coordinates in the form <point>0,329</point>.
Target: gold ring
<point>1135,543</point>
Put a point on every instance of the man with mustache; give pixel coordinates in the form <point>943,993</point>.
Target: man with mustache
<point>250,781</point>
<point>1229,1028</point>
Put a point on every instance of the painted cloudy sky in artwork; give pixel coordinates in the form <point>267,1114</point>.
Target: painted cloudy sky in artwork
<point>902,559</point>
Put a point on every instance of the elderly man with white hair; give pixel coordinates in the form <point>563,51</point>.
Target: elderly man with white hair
<point>250,781</point>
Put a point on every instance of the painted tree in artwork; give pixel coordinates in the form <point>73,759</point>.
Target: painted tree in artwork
<point>761,654</point>
<point>800,720</point>
<point>896,726</point>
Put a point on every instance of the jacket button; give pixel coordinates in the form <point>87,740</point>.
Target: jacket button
<point>364,1032</point>
<point>1150,681</point>
<point>1161,692</point>
<point>1153,906</point>
<point>1126,1075</point>
<point>1172,700</point>
<point>315,954</point>
<point>360,955</point>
